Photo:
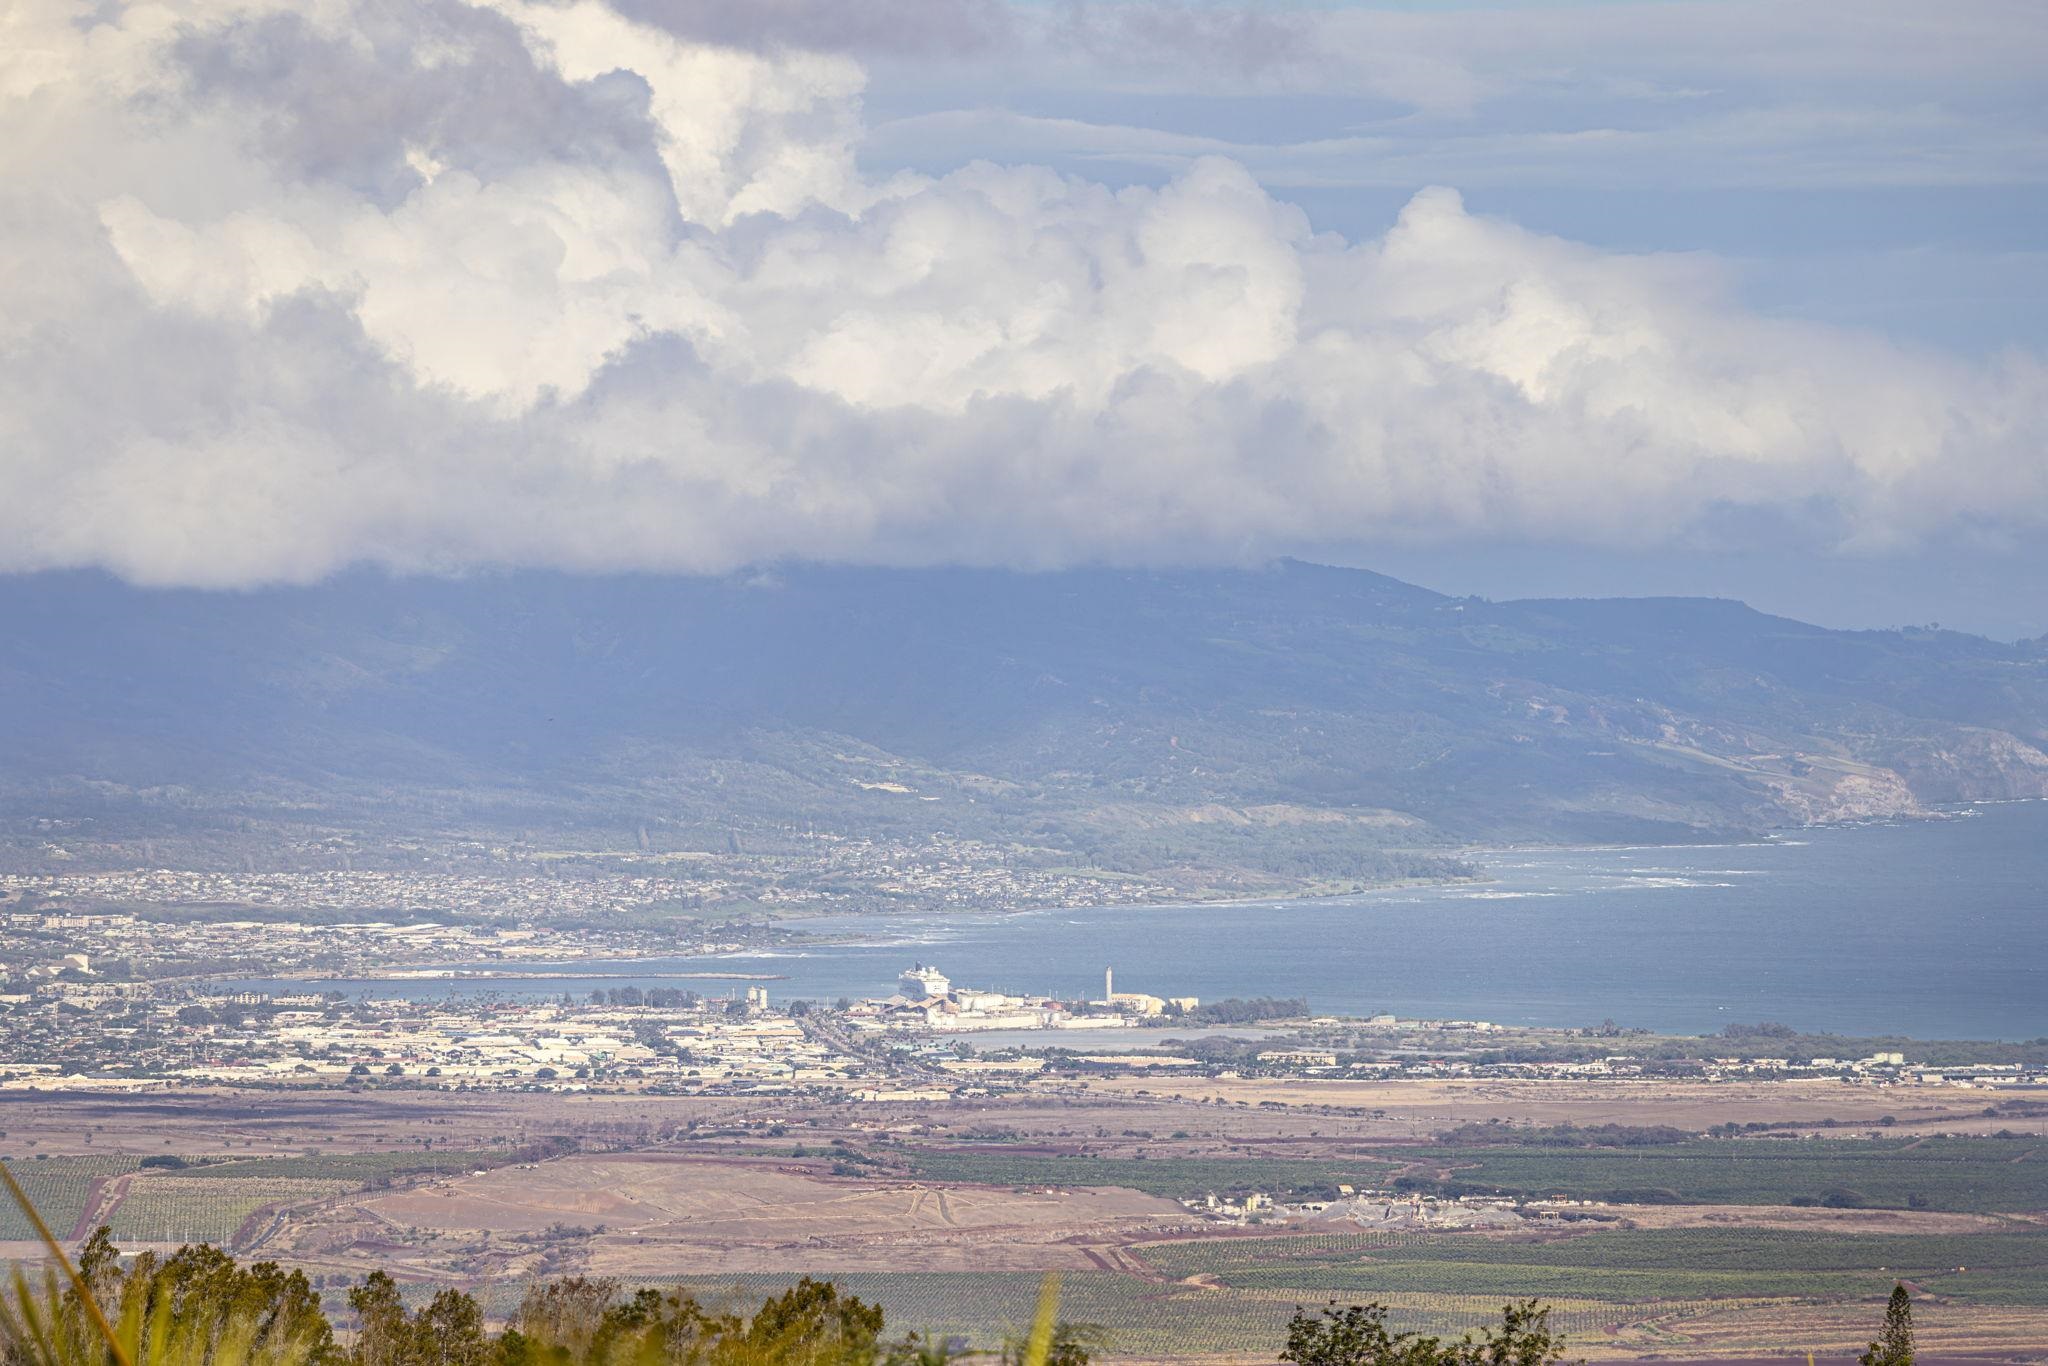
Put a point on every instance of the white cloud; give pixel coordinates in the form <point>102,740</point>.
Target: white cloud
<point>429,284</point>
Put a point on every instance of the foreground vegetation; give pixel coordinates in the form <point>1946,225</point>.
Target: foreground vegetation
<point>199,1307</point>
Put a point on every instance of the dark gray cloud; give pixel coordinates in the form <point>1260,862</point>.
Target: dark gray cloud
<point>354,108</point>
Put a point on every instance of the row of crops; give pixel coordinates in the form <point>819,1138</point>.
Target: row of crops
<point>204,1201</point>
<point>1977,1174</point>
<point>60,1188</point>
<point>168,1209</point>
<point>356,1167</point>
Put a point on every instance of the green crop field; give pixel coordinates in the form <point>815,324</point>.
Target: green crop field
<point>59,1186</point>
<point>174,1209</point>
<point>1979,1175</point>
<point>1628,1265</point>
<point>359,1168</point>
<point>1966,1174</point>
<point>207,1200</point>
<point>1168,1176</point>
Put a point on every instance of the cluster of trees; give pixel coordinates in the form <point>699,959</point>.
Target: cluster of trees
<point>1235,1011</point>
<point>582,1320</point>
<point>661,998</point>
<point>1357,1335</point>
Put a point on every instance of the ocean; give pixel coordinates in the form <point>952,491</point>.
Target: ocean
<point>1928,928</point>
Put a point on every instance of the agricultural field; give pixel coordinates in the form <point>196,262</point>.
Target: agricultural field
<point>1626,1265</point>
<point>1174,1177</point>
<point>206,1201</point>
<point>1978,1174</point>
<point>180,1209</point>
<point>647,1215</point>
<point>355,1168</point>
<point>62,1189</point>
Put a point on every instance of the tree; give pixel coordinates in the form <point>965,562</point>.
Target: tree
<point>197,1301</point>
<point>581,1319</point>
<point>381,1337</point>
<point>1357,1335</point>
<point>450,1332</point>
<point>568,1313</point>
<point>813,1322</point>
<point>1353,1335</point>
<point>447,1331</point>
<point>1523,1339</point>
<point>1894,1346</point>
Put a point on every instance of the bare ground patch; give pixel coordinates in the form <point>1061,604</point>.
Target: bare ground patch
<point>653,1214</point>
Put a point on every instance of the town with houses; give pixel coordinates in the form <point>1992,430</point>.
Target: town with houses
<point>168,978</point>
<point>822,872</point>
<point>65,1024</point>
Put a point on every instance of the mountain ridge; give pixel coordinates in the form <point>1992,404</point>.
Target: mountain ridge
<point>1095,711</point>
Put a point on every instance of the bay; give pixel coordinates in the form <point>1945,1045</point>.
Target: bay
<point>1927,928</point>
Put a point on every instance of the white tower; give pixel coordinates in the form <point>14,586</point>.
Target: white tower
<point>1109,984</point>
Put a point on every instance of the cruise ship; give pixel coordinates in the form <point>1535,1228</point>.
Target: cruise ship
<point>921,983</point>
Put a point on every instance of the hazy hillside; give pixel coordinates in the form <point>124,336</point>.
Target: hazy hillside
<point>1301,716</point>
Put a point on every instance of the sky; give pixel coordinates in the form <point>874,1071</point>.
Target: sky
<point>1643,296</point>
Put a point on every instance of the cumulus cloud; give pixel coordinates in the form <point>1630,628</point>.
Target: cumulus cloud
<point>429,284</point>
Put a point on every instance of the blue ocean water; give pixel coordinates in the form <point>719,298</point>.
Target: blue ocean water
<point>1936,929</point>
